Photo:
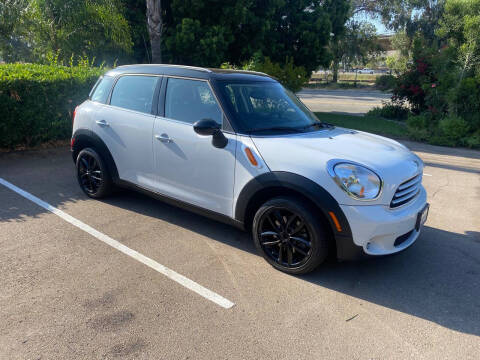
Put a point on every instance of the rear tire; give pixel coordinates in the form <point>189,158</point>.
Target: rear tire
<point>289,236</point>
<point>92,174</point>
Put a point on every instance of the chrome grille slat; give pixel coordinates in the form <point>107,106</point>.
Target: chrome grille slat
<point>410,182</point>
<point>400,194</point>
<point>405,198</point>
<point>406,191</point>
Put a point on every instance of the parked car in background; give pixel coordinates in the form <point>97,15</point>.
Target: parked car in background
<point>365,71</point>
<point>238,147</point>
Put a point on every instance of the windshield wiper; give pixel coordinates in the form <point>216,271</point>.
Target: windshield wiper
<point>278,128</point>
<point>320,125</point>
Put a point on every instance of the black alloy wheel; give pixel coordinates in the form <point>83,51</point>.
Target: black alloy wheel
<point>284,237</point>
<point>91,177</point>
<point>289,236</point>
<point>92,174</point>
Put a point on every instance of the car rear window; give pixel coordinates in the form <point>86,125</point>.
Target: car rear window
<point>134,92</point>
<point>102,89</point>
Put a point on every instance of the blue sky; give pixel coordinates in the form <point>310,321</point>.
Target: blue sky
<point>375,21</point>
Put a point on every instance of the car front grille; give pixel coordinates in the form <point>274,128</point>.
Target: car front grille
<point>406,191</point>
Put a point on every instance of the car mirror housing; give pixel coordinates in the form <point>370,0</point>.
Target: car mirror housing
<point>209,127</point>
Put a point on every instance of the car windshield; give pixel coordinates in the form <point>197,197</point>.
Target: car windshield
<point>267,107</point>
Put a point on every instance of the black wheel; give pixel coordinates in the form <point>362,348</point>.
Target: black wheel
<point>92,174</point>
<point>289,236</point>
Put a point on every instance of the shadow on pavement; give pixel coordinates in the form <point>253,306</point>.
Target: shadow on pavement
<point>442,150</point>
<point>437,279</point>
<point>453,167</point>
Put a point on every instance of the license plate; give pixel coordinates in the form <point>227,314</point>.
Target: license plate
<point>422,217</point>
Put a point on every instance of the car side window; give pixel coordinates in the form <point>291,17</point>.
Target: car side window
<point>102,89</point>
<point>191,100</point>
<point>134,92</point>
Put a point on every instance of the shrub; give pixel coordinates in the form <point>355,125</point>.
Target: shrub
<point>473,141</point>
<point>444,92</point>
<point>465,100</point>
<point>390,111</point>
<point>452,131</point>
<point>418,127</point>
<point>291,76</point>
<point>37,101</point>
<point>386,82</point>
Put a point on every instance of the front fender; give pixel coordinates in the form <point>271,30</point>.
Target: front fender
<point>311,190</point>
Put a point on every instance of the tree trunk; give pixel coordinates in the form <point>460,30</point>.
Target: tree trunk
<point>155,29</point>
<point>335,71</point>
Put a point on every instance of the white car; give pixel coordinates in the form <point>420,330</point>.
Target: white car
<point>240,148</point>
<point>365,71</point>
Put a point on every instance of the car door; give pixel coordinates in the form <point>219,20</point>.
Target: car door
<point>189,167</point>
<point>125,125</point>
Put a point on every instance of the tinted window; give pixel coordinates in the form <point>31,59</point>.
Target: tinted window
<point>259,106</point>
<point>134,93</point>
<point>102,89</point>
<point>190,101</point>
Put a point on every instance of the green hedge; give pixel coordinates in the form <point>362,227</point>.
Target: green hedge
<point>37,101</point>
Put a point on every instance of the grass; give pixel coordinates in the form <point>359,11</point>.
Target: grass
<point>371,124</point>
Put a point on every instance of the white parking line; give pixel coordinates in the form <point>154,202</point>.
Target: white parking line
<point>182,280</point>
<point>427,174</point>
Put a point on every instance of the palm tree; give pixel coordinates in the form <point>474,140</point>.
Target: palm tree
<point>155,28</point>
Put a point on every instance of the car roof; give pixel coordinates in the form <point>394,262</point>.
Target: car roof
<point>190,71</point>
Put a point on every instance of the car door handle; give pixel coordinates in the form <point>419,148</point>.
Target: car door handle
<point>102,123</point>
<point>163,138</point>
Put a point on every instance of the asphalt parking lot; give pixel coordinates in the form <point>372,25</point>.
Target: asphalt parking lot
<point>67,295</point>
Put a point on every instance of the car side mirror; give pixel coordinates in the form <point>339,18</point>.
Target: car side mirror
<point>209,127</point>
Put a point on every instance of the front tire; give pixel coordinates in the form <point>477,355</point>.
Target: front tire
<point>92,174</point>
<point>289,236</point>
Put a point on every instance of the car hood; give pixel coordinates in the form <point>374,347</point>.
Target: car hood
<point>305,154</point>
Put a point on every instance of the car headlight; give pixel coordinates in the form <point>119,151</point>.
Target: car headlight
<point>356,180</point>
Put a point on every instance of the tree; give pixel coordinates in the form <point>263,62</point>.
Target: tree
<point>359,44</point>
<point>460,29</point>
<point>352,41</point>
<point>10,11</point>
<point>210,32</point>
<point>134,12</point>
<point>155,28</point>
<point>301,30</point>
<point>88,28</point>
<point>12,25</point>
<point>340,12</point>
<point>410,16</point>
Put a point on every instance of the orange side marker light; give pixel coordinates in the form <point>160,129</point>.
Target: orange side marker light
<point>335,221</point>
<point>250,157</point>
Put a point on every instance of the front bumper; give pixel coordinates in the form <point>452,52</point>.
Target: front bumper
<point>376,227</point>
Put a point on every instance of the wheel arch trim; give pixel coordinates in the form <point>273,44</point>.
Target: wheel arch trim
<point>320,197</point>
<point>85,136</point>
